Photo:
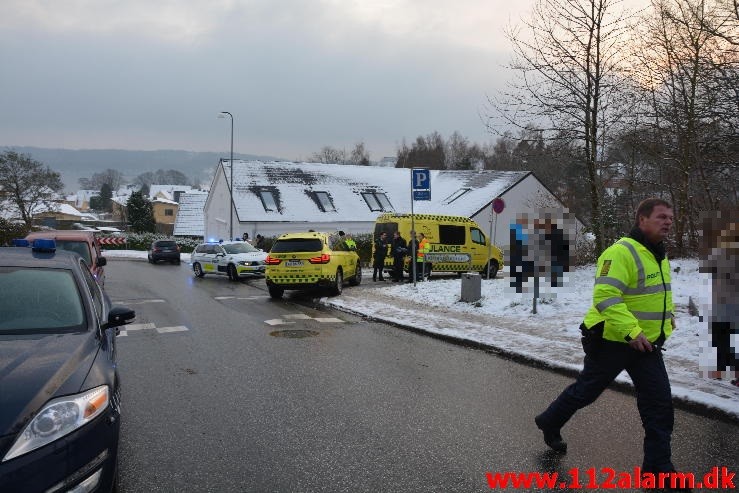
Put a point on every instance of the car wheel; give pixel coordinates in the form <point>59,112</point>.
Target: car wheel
<point>338,284</point>
<point>177,262</point>
<point>151,260</point>
<point>198,270</point>
<point>275,292</point>
<point>493,270</point>
<point>357,279</point>
<point>232,274</point>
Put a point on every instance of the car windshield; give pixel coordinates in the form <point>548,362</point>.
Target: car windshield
<point>39,300</point>
<point>233,248</point>
<point>78,247</point>
<point>297,245</point>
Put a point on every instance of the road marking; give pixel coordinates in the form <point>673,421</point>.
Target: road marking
<point>224,297</point>
<point>278,321</point>
<point>178,328</point>
<point>254,298</point>
<point>302,316</point>
<point>150,326</point>
<point>139,326</point>
<point>139,302</point>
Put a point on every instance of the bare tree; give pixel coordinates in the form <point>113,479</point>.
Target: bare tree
<point>359,155</point>
<point>568,61</point>
<point>688,68</point>
<point>328,154</point>
<point>112,177</point>
<point>27,184</point>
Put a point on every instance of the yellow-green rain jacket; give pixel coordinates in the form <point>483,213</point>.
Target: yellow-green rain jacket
<point>632,293</point>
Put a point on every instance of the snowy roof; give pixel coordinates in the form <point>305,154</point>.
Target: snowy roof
<point>167,190</point>
<point>190,220</point>
<point>296,189</point>
<point>160,200</point>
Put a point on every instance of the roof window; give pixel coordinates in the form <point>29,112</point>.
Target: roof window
<point>324,202</point>
<point>268,200</point>
<point>377,201</point>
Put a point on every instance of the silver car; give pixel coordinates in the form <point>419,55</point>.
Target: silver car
<point>229,258</point>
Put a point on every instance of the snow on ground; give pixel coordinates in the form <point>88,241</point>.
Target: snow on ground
<point>503,319</point>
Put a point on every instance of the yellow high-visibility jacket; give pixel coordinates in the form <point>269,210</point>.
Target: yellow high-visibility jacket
<point>632,293</point>
<point>423,248</point>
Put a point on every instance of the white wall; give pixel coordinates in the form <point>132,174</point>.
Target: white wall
<point>528,196</point>
<point>216,210</point>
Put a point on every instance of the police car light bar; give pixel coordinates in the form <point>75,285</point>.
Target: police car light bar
<point>44,245</point>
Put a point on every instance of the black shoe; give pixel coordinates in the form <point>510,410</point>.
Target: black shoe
<point>382,279</point>
<point>551,437</point>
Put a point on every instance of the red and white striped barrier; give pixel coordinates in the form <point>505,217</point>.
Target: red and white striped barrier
<point>112,241</point>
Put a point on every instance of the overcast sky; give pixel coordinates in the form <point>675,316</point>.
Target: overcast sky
<point>296,74</point>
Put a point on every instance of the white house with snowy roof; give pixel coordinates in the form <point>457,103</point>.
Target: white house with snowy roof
<point>271,198</point>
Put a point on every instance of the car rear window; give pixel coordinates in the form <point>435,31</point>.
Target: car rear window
<point>166,244</point>
<point>81,248</point>
<point>39,300</point>
<point>297,245</point>
<point>234,248</point>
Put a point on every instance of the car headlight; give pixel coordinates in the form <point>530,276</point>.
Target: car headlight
<point>58,418</point>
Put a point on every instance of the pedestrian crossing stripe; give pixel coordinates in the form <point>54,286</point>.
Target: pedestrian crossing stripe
<point>123,332</point>
<point>290,319</point>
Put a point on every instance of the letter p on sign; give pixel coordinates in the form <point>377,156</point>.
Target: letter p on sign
<point>421,179</point>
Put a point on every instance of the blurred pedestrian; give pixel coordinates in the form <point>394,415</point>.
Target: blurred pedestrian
<point>399,249</point>
<point>423,267</point>
<point>259,242</point>
<point>378,257</point>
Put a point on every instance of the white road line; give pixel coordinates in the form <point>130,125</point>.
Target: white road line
<point>224,297</point>
<point>177,328</point>
<point>278,321</point>
<point>254,298</point>
<point>298,316</point>
<point>139,326</point>
<point>329,320</point>
<point>122,333</point>
<point>137,302</point>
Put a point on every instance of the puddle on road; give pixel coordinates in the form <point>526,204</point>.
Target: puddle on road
<point>294,334</point>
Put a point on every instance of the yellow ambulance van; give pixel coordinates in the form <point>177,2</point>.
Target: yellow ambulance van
<point>457,243</point>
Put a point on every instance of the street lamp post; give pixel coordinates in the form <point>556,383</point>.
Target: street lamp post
<point>231,188</point>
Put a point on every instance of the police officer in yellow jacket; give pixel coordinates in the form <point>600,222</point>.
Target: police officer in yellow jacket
<point>630,319</point>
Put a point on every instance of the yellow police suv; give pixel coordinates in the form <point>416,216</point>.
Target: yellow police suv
<point>299,261</point>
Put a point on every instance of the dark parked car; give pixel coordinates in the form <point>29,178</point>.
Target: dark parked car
<point>60,394</point>
<point>164,250</point>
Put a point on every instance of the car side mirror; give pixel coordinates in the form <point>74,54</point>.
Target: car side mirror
<point>101,261</point>
<point>120,315</point>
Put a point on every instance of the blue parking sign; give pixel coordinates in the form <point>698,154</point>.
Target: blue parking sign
<point>421,179</point>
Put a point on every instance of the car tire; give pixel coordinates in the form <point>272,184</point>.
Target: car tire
<point>493,270</point>
<point>276,293</point>
<point>232,274</point>
<point>151,260</point>
<point>177,262</point>
<point>357,279</point>
<point>338,283</point>
<point>198,270</point>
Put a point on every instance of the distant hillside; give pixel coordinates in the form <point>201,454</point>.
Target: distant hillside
<point>83,163</point>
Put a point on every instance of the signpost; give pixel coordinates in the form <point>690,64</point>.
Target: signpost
<point>420,190</point>
<point>498,206</point>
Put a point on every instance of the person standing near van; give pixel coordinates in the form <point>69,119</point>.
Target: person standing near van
<point>399,249</point>
<point>423,248</point>
<point>378,264</point>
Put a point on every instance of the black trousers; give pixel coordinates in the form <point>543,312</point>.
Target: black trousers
<point>398,268</point>
<point>604,360</point>
<point>721,333</point>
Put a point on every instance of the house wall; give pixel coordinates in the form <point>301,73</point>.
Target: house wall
<point>529,196</point>
<point>270,229</point>
<point>160,216</point>
<point>216,210</point>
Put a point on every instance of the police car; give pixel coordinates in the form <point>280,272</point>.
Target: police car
<point>311,260</point>
<point>229,258</point>
<point>60,398</point>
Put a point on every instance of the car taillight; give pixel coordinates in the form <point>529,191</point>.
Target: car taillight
<point>272,260</point>
<point>323,259</point>
<point>157,250</point>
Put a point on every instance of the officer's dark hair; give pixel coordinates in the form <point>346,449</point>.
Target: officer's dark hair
<point>646,207</point>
